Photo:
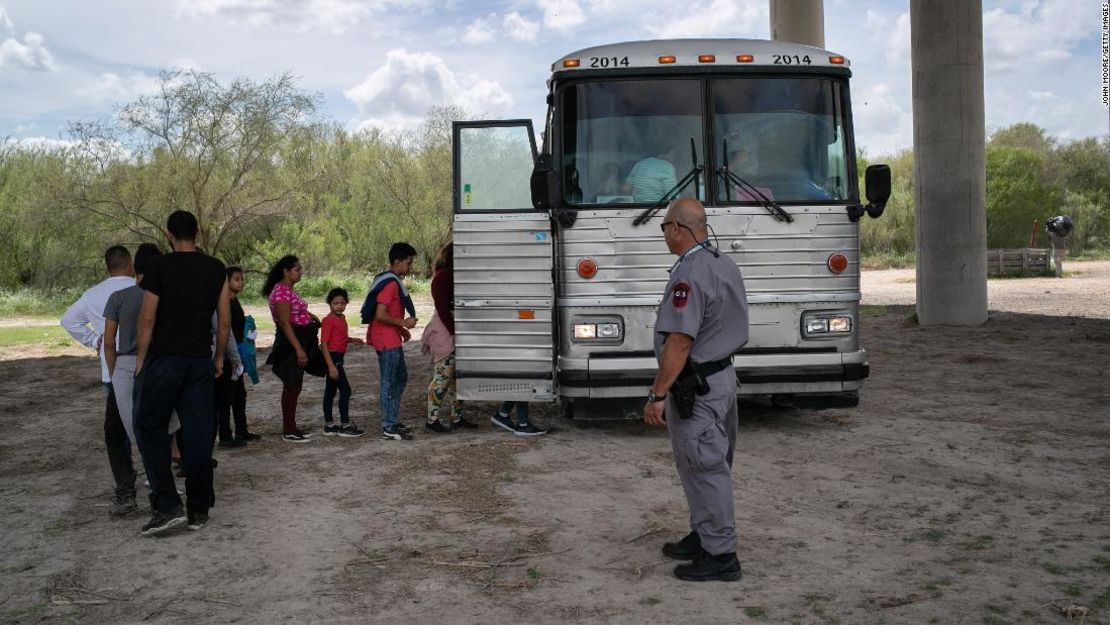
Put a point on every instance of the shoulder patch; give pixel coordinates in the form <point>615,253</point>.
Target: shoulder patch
<point>680,295</point>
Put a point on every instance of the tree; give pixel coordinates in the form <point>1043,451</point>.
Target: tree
<point>195,145</point>
<point>1016,195</point>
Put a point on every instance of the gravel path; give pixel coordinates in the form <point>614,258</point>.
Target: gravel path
<point>1084,291</point>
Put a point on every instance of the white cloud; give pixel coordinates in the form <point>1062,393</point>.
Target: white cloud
<point>892,34</point>
<point>30,54</point>
<point>479,31</point>
<point>714,18</point>
<point>398,94</point>
<point>883,126</point>
<point>7,28</point>
<point>329,15</point>
<point>520,28</point>
<point>561,14</point>
<point>1038,32</point>
<point>111,87</point>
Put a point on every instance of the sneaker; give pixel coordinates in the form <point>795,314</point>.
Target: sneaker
<point>197,520</point>
<point>249,436</point>
<point>302,433</point>
<point>350,431</point>
<point>120,505</point>
<point>179,491</point>
<point>162,523</point>
<point>463,423</point>
<point>395,433</point>
<point>503,421</point>
<point>331,429</point>
<point>436,426</point>
<point>294,437</point>
<point>686,549</point>
<point>405,427</point>
<point>529,429</point>
<point>710,568</point>
<point>233,443</point>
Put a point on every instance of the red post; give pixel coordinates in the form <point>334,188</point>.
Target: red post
<point>1033,235</point>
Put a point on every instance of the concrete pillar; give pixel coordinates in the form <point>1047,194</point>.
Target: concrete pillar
<point>798,21</point>
<point>949,151</point>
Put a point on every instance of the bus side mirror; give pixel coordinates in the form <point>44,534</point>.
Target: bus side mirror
<point>877,183</point>
<point>545,183</point>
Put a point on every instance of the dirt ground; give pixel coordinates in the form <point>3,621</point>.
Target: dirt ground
<point>971,485</point>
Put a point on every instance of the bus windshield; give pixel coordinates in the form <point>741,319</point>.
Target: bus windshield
<point>629,141</point>
<point>784,137</point>
<point>781,139</point>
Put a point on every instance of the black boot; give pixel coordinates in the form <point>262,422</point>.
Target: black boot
<point>707,568</point>
<point>686,549</point>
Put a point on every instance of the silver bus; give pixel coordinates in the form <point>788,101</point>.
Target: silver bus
<point>559,260</point>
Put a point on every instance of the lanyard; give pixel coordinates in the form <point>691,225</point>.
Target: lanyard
<point>693,250</point>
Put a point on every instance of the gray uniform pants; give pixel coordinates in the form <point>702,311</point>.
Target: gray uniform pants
<point>703,446</point>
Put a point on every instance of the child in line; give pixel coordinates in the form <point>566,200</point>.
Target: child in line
<point>522,427</point>
<point>334,338</point>
<point>384,310</point>
<point>231,390</point>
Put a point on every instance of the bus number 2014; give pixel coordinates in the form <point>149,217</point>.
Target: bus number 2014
<point>608,61</point>
<point>787,59</point>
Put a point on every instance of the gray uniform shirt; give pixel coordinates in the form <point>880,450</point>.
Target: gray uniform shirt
<point>123,307</point>
<point>705,300</point>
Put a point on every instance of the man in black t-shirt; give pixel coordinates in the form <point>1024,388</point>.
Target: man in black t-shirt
<point>176,369</point>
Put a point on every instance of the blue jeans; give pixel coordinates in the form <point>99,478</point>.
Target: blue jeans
<point>394,377</point>
<point>521,411</point>
<point>187,385</point>
<point>341,385</point>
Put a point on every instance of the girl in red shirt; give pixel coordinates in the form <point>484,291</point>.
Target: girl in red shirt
<point>334,336</point>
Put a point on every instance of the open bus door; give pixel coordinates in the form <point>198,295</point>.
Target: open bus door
<point>504,291</point>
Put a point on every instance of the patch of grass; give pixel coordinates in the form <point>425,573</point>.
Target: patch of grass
<point>25,302</point>
<point>872,311</point>
<point>1054,569</point>
<point>755,611</point>
<point>887,260</point>
<point>980,543</point>
<point>998,609</point>
<point>651,601</point>
<point>1102,602</point>
<point>534,573</point>
<point>41,336</point>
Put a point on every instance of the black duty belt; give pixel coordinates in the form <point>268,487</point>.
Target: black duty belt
<point>707,369</point>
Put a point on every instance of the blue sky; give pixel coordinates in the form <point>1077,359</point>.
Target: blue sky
<point>383,62</point>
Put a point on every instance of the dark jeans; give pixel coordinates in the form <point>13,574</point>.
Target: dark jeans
<point>344,388</point>
<point>118,447</point>
<point>521,411</point>
<point>166,384</point>
<point>231,398</point>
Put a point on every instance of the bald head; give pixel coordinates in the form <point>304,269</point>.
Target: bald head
<point>690,213</point>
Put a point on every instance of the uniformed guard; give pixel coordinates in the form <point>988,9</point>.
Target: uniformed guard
<point>702,321</point>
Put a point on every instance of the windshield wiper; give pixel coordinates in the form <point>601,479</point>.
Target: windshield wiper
<point>693,174</point>
<point>772,206</point>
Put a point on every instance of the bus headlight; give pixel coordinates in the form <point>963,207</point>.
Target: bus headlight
<point>826,324</point>
<point>601,328</point>
<point>608,331</point>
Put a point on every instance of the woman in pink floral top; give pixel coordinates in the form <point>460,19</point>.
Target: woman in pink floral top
<point>296,343</point>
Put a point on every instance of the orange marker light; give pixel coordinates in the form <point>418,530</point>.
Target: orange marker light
<point>667,60</point>
<point>707,58</point>
<point>571,62</point>
<point>586,268</point>
<point>836,60</point>
<point>838,263</point>
<point>526,314</point>
<point>744,58</point>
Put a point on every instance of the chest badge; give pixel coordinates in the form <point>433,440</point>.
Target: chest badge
<point>680,295</point>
